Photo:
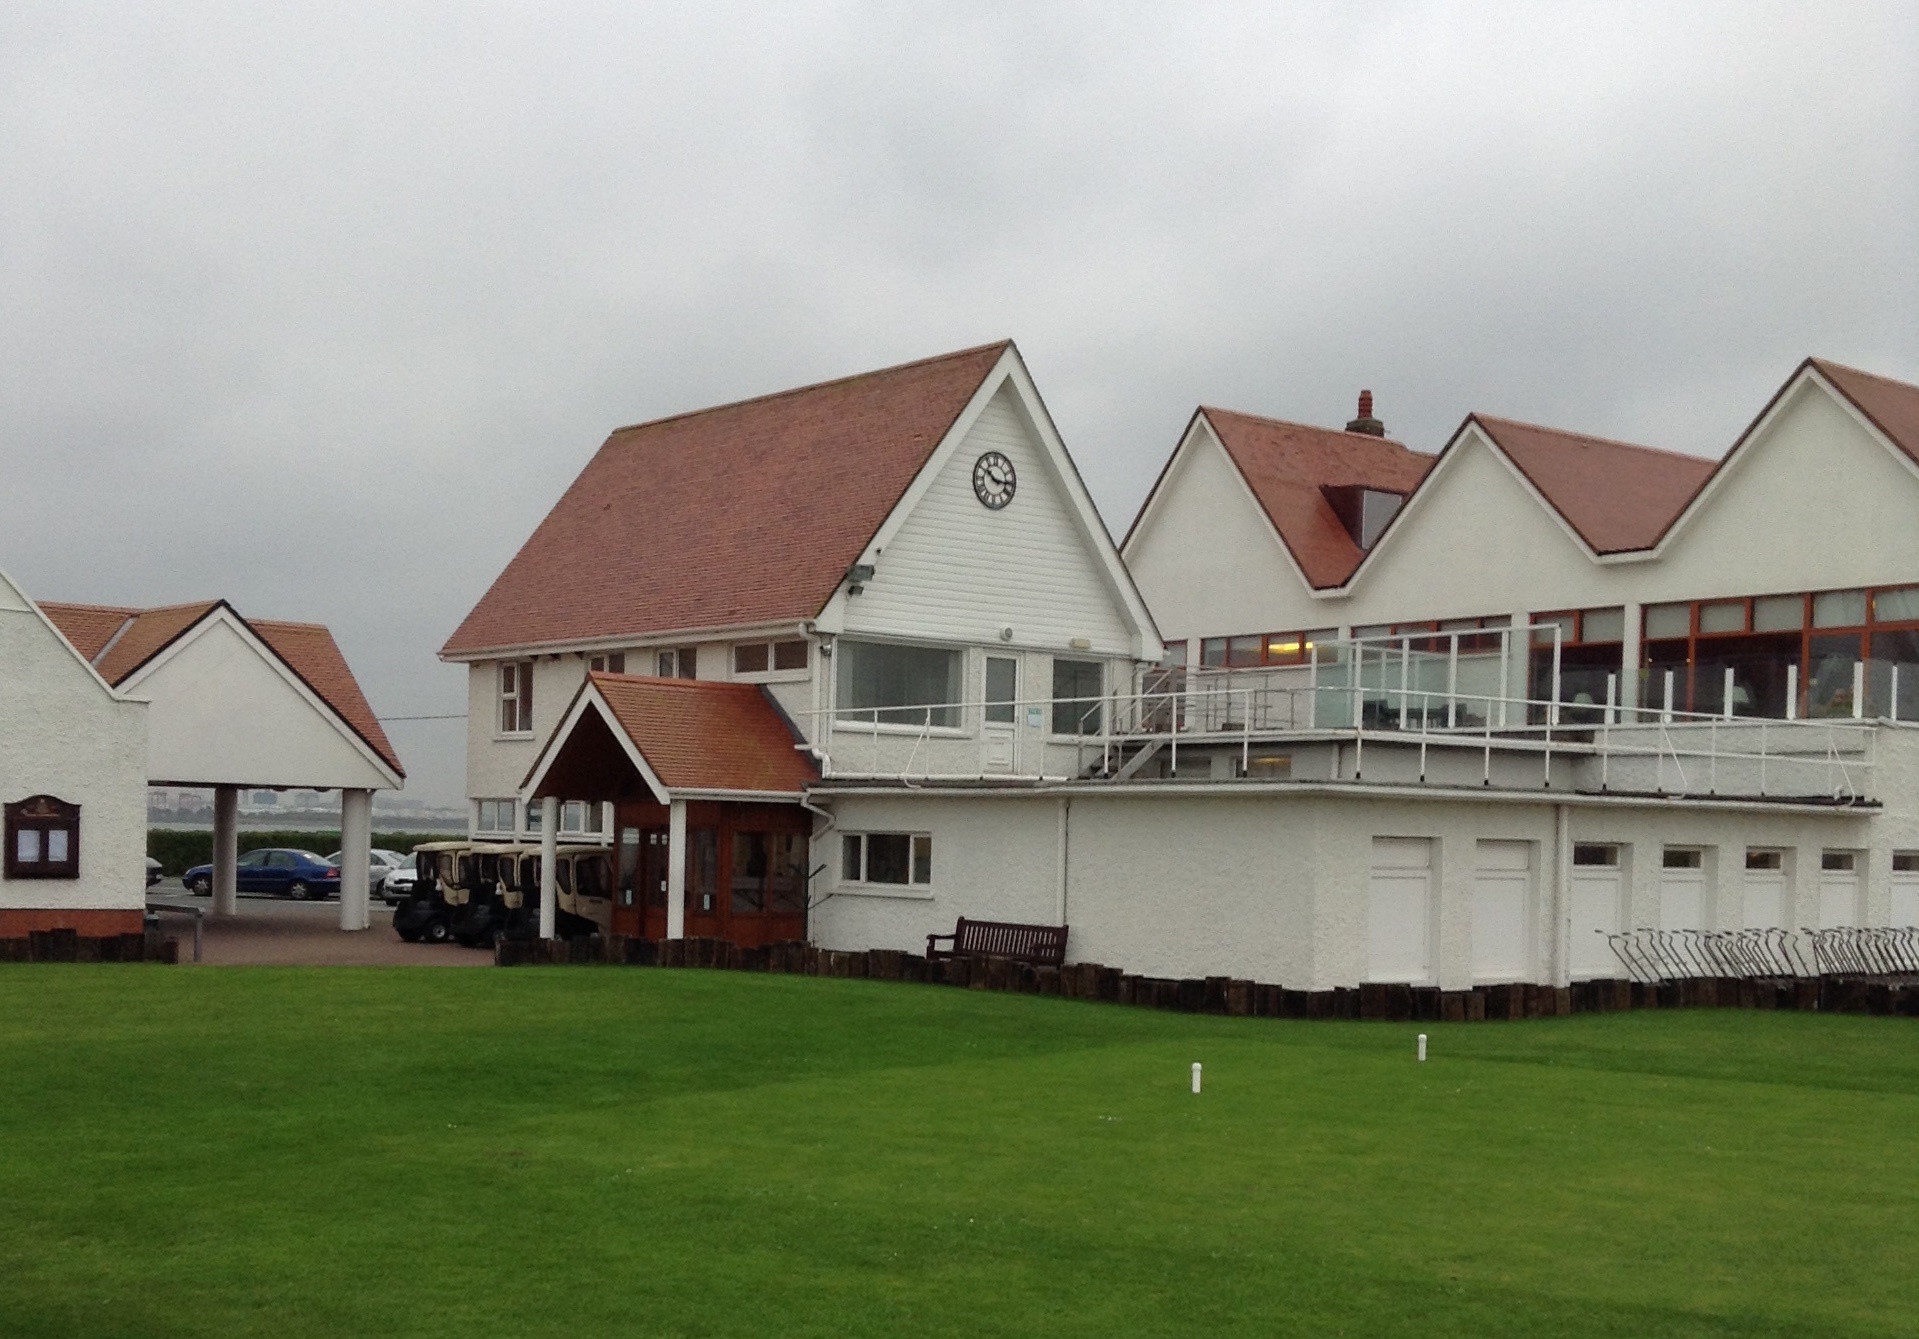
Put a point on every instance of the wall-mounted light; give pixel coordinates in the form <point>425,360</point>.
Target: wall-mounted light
<point>1006,634</point>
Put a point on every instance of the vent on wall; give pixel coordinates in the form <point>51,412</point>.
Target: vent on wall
<point>1363,511</point>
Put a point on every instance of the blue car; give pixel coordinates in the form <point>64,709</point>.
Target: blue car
<point>290,873</point>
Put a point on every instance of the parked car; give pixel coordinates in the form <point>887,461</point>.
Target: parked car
<point>273,870</point>
<point>398,885</point>
<point>381,866</point>
<point>154,871</point>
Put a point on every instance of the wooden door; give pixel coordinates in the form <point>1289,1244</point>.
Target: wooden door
<point>652,886</point>
<point>705,877</point>
<point>628,882</point>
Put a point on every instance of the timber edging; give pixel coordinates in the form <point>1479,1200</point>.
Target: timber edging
<point>1229,996</point>
<point>71,946</point>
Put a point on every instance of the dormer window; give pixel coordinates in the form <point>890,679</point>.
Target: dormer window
<point>43,839</point>
<point>1363,511</point>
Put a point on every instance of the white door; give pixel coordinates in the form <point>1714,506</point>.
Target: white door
<point>1399,910</point>
<point>1502,888</point>
<point>1905,888</point>
<point>1598,910</point>
<point>1763,900</point>
<point>1838,890</point>
<point>1682,898</point>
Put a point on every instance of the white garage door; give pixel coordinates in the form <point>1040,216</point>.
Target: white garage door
<point>1838,889</point>
<point>1905,888</point>
<point>1598,910</point>
<point>1682,889</point>
<point>1502,889</point>
<point>1399,910</point>
<point>1763,894</point>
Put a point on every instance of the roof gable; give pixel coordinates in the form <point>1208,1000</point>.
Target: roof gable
<point>1617,497</point>
<point>1893,406</point>
<point>1289,466</point>
<point>746,514</point>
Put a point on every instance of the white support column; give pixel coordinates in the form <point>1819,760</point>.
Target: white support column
<point>226,849</point>
<point>549,866</point>
<point>1629,665</point>
<point>356,856</point>
<point>676,870</point>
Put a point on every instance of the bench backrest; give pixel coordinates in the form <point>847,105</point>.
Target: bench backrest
<point>1005,939</point>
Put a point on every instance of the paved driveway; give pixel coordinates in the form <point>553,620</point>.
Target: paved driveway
<point>276,931</point>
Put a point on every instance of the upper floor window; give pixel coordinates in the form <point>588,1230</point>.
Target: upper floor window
<point>42,839</point>
<point>1078,689</point>
<point>761,657</point>
<point>581,816</point>
<point>612,663</point>
<point>885,684</point>
<point>679,663</point>
<point>516,697</point>
<point>495,816</point>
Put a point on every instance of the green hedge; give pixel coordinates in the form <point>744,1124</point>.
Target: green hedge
<point>179,851</point>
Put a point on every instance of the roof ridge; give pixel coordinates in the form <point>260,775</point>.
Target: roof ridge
<point>811,386</point>
<point>1823,363</point>
<point>126,610</point>
<point>1310,427</point>
<point>1477,416</point>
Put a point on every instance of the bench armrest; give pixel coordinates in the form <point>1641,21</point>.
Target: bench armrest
<point>932,939</point>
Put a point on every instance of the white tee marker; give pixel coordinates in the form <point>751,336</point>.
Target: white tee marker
<point>1196,1076</point>
<point>1422,1048</point>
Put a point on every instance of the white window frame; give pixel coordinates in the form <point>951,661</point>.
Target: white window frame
<point>519,698</point>
<point>914,887</point>
<point>480,809</point>
<point>771,674</point>
<point>574,815</point>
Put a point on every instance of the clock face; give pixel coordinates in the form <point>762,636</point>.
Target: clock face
<point>994,480</point>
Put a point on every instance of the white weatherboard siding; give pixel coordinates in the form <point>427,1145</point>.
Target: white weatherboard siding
<point>64,733</point>
<point>1208,561</point>
<point>959,572</point>
<point>225,714</point>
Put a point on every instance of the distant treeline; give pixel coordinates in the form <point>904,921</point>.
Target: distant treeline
<point>179,851</point>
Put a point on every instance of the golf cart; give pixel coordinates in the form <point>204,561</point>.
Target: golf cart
<point>428,914</point>
<point>522,896</point>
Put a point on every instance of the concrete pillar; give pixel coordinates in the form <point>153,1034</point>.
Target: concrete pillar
<point>226,849</point>
<point>676,870</point>
<point>356,854</point>
<point>549,866</point>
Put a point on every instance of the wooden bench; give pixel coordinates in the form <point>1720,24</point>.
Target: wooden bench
<point>1041,945</point>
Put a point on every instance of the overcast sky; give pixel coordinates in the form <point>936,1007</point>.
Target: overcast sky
<point>320,308</point>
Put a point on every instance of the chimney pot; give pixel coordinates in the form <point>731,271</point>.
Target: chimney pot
<point>1366,423</point>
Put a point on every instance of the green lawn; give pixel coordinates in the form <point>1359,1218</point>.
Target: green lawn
<point>583,1152</point>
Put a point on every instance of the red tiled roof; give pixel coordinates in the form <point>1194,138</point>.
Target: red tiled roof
<point>747,513</point>
<point>1287,465</point>
<point>308,649</point>
<point>705,735</point>
<point>1618,497</point>
<point>88,626</point>
<point>1893,406</point>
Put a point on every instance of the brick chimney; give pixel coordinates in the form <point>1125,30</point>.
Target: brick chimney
<point>1366,423</point>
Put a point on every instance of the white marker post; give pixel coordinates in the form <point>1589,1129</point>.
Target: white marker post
<point>1195,1076</point>
<point>1422,1048</point>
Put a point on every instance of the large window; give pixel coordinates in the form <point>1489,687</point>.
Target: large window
<point>1589,647</point>
<point>1078,686</point>
<point>898,685</point>
<point>516,697</point>
<point>43,839</point>
<point>1262,649</point>
<point>900,859</point>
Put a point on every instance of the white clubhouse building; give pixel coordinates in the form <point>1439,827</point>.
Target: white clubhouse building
<point>851,661</point>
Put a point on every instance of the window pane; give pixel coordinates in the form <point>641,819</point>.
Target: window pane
<point>1682,859</point>
<point>1892,676</point>
<point>1905,862</point>
<point>1543,625</point>
<point>750,658</point>
<point>749,871</point>
<point>616,663</point>
<point>1779,613</point>
<point>789,655</point>
<point>1212,653</point>
<point>850,867</point>
<point>1725,616</point>
<point>1836,860</point>
<point>1603,625</point>
<point>1243,651</point>
<point>663,665</point>
<point>786,887</point>
<point>702,867</point>
<point>27,847</point>
<point>1077,685</point>
<point>1829,676</point>
<point>1668,620</point>
<point>689,658</point>
<point>1002,688</point>
<point>1896,606</point>
<point>887,856</point>
<point>1839,609</point>
<point>922,860</point>
<point>1765,860</point>
<point>1595,855</point>
<point>902,685</point>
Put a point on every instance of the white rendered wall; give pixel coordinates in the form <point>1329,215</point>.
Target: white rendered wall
<point>63,733</point>
<point>224,714</point>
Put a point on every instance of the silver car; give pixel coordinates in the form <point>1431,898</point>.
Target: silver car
<point>381,866</point>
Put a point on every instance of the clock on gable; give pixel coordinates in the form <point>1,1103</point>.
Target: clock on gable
<point>994,480</point>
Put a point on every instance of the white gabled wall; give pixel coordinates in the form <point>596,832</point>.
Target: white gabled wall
<point>225,714</point>
<point>958,572</point>
<point>1206,558</point>
<point>64,733</point>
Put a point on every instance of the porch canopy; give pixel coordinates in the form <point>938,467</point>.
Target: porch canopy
<point>670,748</point>
<point>239,704</point>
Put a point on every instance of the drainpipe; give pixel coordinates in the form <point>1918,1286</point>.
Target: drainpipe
<point>1561,953</point>
<point>1065,847</point>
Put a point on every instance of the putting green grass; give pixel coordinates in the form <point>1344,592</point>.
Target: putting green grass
<point>587,1152</point>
